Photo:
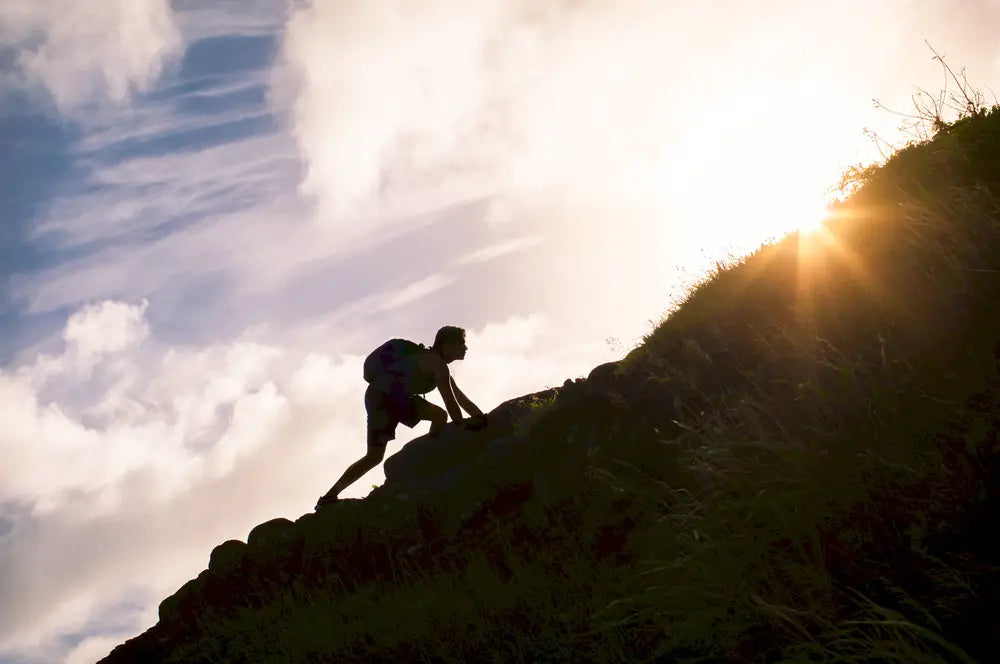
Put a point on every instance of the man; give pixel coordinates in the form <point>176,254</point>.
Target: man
<point>393,397</point>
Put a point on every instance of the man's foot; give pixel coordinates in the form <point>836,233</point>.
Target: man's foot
<point>326,500</point>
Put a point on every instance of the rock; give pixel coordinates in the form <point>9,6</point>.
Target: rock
<point>182,610</point>
<point>504,419</point>
<point>572,392</point>
<point>225,584</point>
<point>426,456</point>
<point>303,522</point>
<point>227,557</point>
<point>269,533</point>
<point>142,648</point>
<point>327,531</point>
<point>427,464</point>
<point>601,377</point>
<point>274,556</point>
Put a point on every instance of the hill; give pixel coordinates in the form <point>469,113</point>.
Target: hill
<point>798,464</point>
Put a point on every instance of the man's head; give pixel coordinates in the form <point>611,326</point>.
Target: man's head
<point>449,342</point>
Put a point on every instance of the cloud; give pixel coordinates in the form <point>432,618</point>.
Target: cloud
<point>634,103</point>
<point>577,97</point>
<point>84,52</point>
<point>359,107</point>
<point>200,20</point>
<point>497,250</point>
<point>177,196</point>
<point>158,429</point>
<point>104,328</point>
<point>414,292</point>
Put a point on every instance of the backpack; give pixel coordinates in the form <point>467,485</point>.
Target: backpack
<point>383,358</point>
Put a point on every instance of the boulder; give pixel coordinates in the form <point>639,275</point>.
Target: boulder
<point>226,582</point>
<point>505,418</point>
<point>270,533</point>
<point>426,456</point>
<point>572,392</point>
<point>227,557</point>
<point>601,377</point>
<point>182,610</point>
<point>274,555</point>
<point>142,648</point>
<point>427,463</point>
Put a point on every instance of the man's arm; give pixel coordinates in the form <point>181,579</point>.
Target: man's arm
<point>443,380</point>
<point>465,402</point>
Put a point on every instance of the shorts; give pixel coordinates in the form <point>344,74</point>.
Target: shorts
<point>388,407</point>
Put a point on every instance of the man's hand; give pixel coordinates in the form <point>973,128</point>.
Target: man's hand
<point>476,423</point>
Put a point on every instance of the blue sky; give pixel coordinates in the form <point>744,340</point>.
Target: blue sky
<point>212,210</point>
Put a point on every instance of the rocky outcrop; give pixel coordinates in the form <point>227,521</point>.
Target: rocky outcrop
<point>429,464</point>
<point>332,547</point>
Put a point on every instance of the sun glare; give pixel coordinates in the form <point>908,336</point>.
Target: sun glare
<point>813,220</point>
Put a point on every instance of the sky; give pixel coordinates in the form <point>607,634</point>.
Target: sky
<point>211,211</point>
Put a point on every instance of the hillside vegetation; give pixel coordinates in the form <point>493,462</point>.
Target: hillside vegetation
<point>799,464</point>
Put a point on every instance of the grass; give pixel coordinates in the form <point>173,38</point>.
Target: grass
<point>793,467</point>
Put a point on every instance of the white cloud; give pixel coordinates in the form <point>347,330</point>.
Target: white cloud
<point>580,97</point>
<point>515,334</point>
<point>199,19</point>
<point>133,197</point>
<point>379,84</point>
<point>85,52</point>
<point>211,440</point>
<point>635,103</point>
<point>414,292</point>
<point>497,250</point>
<point>104,328</point>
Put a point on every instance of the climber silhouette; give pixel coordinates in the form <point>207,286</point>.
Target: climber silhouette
<point>398,372</point>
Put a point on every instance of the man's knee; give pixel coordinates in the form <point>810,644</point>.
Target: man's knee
<point>375,455</point>
<point>428,411</point>
<point>437,415</point>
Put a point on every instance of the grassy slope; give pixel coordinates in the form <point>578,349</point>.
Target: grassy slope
<point>796,465</point>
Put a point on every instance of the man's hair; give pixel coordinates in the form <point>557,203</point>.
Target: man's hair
<point>448,334</point>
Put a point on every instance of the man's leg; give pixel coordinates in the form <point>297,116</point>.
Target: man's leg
<point>381,429</point>
<point>356,470</point>
<point>438,416</point>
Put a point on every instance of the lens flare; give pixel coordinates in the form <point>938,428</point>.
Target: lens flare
<point>812,221</point>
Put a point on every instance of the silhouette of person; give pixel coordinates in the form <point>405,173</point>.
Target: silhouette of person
<point>393,397</point>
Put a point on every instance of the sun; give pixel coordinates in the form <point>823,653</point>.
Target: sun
<point>809,220</point>
<point>788,214</point>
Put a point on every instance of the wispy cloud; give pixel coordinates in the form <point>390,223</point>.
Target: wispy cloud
<point>497,250</point>
<point>414,292</point>
<point>159,185</point>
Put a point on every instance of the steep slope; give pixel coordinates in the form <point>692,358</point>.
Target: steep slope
<point>799,462</point>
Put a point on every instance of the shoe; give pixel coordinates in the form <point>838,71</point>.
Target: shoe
<point>326,500</point>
